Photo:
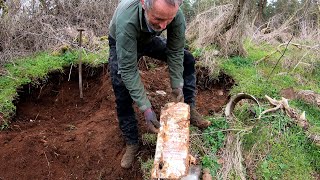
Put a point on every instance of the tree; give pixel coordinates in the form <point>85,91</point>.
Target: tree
<point>3,8</point>
<point>188,10</point>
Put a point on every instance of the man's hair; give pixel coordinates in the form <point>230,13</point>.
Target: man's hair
<point>148,4</point>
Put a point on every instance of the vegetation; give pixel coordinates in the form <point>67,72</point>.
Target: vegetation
<point>34,70</point>
<point>274,147</point>
<point>265,46</point>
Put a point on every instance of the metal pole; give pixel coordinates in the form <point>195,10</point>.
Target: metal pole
<point>80,62</point>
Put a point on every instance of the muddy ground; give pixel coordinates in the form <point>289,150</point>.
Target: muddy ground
<point>56,135</point>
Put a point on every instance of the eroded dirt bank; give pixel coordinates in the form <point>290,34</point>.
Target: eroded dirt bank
<point>56,135</point>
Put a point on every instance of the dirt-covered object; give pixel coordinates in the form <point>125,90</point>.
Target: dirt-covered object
<point>171,159</point>
<point>55,135</point>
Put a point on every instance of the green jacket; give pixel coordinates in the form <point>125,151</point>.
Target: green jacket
<point>129,29</point>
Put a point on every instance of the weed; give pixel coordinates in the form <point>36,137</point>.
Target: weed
<point>312,112</point>
<point>146,167</point>
<point>213,140</point>
<point>197,53</point>
<point>286,151</point>
<point>4,125</point>
<point>213,135</point>
<point>152,66</point>
<point>149,138</point>
<point>210,162</point>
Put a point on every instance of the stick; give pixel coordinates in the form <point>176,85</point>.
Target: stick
<point>80,63</point>
<point>70,72</point>
<point>280,57</point>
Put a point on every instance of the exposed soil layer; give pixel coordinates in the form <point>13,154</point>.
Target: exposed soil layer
<point>57,135</point>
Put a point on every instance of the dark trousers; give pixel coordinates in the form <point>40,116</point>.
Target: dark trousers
<point>155,49</point>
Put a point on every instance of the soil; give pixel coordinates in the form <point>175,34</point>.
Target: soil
<point>57,135</point>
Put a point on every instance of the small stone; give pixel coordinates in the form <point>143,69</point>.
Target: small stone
<point>162,93</point>
<point>220,93</point>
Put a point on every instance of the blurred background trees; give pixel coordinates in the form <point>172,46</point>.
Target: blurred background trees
<point>28,26</point>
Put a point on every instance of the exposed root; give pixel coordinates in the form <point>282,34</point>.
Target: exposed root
<point>232,157</point>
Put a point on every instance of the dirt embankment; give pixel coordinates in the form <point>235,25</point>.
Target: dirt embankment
<point>56,135</point>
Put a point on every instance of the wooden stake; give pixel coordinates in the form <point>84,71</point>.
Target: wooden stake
<point>80,62</point>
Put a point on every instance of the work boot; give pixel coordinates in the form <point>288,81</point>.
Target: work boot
<point>128,157</point>
<point>197,120</point>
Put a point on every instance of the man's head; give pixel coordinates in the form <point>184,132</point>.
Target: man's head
<point>159,13</point>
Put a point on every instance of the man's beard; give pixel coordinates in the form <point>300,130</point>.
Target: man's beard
<point>156,29</point>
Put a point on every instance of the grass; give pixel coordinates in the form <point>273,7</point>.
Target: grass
<point>278,149</point>
<point>146,167</point>
<point>32,70</point>
<point>24,71</point>
<point>274,147</point>
<point>312,112</point>
<point>208,143</point>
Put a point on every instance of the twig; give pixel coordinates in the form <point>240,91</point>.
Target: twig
<point>47,159</point>
<point>70,71</point>
<point>303,57</point>
<point>280,57</point>
<point>224,130</point>
<point>47,163</point>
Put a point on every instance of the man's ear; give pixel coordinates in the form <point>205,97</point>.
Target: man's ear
<point>142,3</point>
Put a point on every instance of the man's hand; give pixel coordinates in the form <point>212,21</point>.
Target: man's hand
<point>177,94</point>
<point>151,120</point>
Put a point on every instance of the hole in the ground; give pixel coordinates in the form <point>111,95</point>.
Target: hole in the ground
<point>41,138</point>
<point>205,81</point>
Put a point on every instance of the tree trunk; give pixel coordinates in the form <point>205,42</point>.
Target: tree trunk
<point>261,6</point>
<point>232,35</point>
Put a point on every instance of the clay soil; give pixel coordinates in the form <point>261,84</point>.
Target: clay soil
<point>57,135</point>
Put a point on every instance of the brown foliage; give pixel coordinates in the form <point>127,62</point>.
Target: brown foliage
<point>41,25</point>
<point>222,25</point>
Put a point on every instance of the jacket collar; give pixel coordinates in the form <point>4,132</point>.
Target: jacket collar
<point>143,24</point>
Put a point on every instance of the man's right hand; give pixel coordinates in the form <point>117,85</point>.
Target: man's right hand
<point>151,120</point>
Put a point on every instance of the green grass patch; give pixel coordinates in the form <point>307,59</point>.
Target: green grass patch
<point>280,150</point>
<point>146,167</point>
<point>213,139</point>
<point>22,72</point>
<point>248,79</point>
<point>274,147</point>
<point>261,79</point>
<point>291,157</point>
<point>312,112</point>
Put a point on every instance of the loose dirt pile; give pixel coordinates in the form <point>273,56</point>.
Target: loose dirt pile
<point>56,135</point>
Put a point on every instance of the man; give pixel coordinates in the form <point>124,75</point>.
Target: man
<point>134,32</point>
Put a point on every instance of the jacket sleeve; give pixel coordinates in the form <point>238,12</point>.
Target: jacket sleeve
<point>175,46</point>
<point>126,46</point>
